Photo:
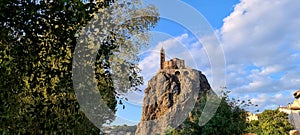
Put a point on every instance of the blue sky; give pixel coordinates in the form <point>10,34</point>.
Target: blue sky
<point>259,39</point>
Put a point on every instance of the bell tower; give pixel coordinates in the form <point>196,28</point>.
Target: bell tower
<point>162,58</point>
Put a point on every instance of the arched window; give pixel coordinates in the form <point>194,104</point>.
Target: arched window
<point>177,73</point>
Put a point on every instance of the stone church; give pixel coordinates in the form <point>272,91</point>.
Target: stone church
<point>174,63</point>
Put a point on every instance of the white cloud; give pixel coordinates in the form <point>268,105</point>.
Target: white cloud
<point>271,100</point>
<point>262,98</point>
<point>262,30</point>
<point>261,43</point>
<point>271,69</point>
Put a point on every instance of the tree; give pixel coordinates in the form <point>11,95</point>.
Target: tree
<point>37,43</point>
<point>271,122</point>
<point>230,118</point>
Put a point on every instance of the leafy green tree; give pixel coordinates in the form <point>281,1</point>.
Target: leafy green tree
<point>37,43</point>
<point>230,118</point>
<point>270,122</point>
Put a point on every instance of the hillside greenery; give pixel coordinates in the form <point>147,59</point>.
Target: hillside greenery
<point>230,118</point>
<point>270,122</point>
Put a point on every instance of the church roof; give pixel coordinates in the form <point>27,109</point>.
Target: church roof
<point>176,59</point>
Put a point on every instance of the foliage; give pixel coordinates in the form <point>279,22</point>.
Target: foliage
<point>270,122</point>
<point>230,118</point>
<point>37,43</point>
<point>125,128</point>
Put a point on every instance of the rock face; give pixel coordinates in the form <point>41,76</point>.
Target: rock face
<point>170,96</point>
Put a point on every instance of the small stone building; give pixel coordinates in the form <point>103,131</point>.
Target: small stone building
<point>174,63</point>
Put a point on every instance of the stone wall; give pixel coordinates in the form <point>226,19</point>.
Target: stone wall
<point>174,64</point>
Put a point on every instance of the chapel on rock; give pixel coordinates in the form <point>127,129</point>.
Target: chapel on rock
<point>174,63</point>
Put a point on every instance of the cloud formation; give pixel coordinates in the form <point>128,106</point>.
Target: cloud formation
<point>261,42</point>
